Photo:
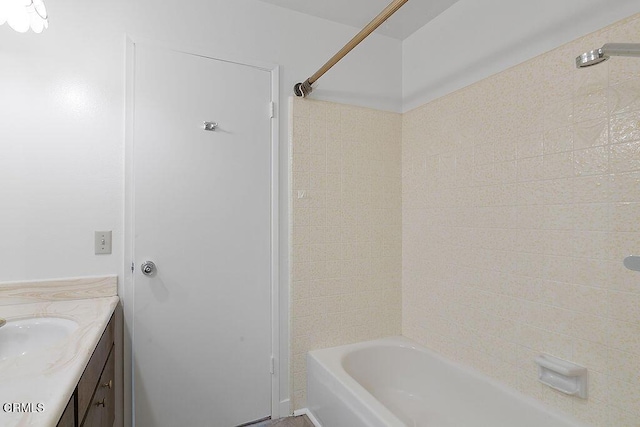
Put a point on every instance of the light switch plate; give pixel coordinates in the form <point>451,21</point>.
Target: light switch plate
<point>103,242</point>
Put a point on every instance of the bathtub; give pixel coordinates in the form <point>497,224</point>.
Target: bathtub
<point>394,382</point>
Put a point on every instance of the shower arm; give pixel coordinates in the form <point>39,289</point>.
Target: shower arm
<point>303,89</point>
<point>597,56</point>
<point>621,49</point>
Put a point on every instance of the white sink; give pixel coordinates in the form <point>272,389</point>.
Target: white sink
<point>22,336</point>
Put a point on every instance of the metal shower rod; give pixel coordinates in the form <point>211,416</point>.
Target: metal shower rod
<point>303,89</point>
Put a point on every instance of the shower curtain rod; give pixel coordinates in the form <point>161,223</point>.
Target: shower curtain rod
<point>304,89</point>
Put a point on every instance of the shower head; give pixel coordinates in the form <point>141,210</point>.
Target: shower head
<point>597,56</point>
<point>590,58</point>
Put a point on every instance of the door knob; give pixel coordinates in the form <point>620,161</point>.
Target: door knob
<point>148,268</point>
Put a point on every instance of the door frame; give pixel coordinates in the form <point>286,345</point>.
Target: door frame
<point>125,290</point>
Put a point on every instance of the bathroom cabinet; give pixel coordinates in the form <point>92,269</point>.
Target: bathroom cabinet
<point>93,401</point>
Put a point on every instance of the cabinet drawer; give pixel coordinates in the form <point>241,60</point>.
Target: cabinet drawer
<point>101,411</point>
<point>92,372</point>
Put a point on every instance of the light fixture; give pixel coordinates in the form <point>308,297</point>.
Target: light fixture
<point>24,14</point>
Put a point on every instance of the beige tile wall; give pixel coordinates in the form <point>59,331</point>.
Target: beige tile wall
<point>520,199</point>
<point>346,233</point>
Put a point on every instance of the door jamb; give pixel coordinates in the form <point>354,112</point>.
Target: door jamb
<point>126,287</point>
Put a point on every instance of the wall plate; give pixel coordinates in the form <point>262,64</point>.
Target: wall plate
<point>103,242</point>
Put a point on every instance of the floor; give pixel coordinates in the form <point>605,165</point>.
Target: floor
<point>301,421</point>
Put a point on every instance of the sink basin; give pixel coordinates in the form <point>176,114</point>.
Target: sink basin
<point>22,336</point>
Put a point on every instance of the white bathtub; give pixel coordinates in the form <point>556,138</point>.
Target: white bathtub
<point>394,382</point>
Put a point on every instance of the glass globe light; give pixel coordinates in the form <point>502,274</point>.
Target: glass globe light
<point>24,14</point>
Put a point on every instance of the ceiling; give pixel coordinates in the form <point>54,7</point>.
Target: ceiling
<point>359,13</point>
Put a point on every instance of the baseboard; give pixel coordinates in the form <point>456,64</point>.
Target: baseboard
<point>307,412</point>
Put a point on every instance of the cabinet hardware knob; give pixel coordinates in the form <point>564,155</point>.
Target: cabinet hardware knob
<point>101,403</point>
<point>108,385</point>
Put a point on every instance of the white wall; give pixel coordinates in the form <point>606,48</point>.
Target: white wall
<point>62,109</point>
<point>475,39</point>
<point>61,143</point>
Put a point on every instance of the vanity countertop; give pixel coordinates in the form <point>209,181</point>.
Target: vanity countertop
<point>49,376</point>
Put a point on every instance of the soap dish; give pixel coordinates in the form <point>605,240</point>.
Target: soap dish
<point>566,377</point>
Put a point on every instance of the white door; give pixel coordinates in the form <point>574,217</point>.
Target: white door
<point>202,213</point>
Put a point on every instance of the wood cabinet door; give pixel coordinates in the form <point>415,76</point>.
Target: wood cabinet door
<point>101,411</point>
<point>107,384</point>
<point>68,418</point>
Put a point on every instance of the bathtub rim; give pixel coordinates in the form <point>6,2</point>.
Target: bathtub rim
<point>331,360</point>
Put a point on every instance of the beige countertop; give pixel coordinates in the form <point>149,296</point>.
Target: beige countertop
<point>49,375</point>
